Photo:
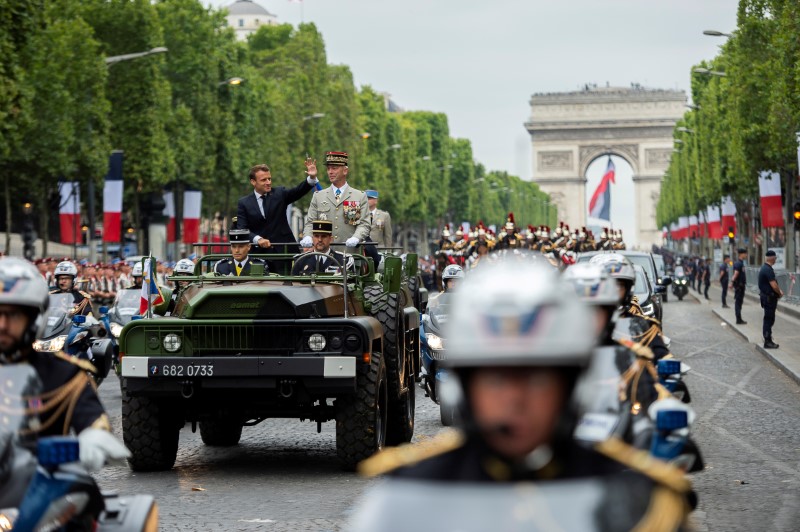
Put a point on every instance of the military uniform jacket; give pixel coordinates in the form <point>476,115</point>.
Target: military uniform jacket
<point>350,217</point>
<point>66,382</point>
<point>380,230</point>
<point>228,267</point>
<point>308,264</point>
<point>82,300</point>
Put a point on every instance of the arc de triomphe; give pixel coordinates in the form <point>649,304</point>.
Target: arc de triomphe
<point>569,130</point>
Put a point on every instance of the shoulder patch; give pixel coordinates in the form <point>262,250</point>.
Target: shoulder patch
<point>410,454</point>
<point>642,462</point>
<point>83,364</point>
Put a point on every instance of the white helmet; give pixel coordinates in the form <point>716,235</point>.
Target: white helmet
<point>592,284</point>
<point>452,271</point>
<point>137,270</point>
<point>497,323</point>
<point>617,266</point>
<point>22,285</point>
<point>184,267</point>
<point>66,268</point>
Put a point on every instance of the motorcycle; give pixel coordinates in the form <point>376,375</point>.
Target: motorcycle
<point>432,349</point>
<point>125,307</point>
<point>77,335</point>
<point>680,287</point>
<point>643,404</point>
<point>50,489</point>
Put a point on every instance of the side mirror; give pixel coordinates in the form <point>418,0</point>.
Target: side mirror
<point>660,289</point>
<point>665,281</point>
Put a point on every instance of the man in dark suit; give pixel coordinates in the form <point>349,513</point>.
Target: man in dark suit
<point>322,236</point>
<point>239,263</point>
<point>263,213</point>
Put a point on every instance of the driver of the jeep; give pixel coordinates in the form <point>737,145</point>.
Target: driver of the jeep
<point>321,238</point>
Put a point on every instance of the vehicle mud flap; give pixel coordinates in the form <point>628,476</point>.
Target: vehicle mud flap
<point>361,418</point>
<point>150,432</point>
<point>387,309</point>
<point>220,432</point>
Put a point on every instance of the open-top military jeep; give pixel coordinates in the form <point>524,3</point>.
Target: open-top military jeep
<point>239,350</point>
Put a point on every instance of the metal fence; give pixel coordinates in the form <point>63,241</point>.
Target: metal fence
<point>789,282</point>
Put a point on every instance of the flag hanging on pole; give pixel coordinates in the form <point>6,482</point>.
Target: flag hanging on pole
<point>714,222</point>
<point>112,199</point>
<point>693,227</point>
<point>683,227</point>
<point>600,204</point>
<point>769,188</point>
<point>169,213</point>
<point>69,211</point>
<point>728,215</point>
<point>192,201</point>
<point>149,288</point>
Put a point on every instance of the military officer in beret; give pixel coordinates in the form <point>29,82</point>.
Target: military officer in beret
<point>322,231</point>
<point>341,204</point>
<point>239,263</point>
<point>380,222</point>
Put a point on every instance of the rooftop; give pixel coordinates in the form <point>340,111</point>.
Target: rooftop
<point>247,7</point>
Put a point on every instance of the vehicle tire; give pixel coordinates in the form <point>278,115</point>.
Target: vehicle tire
<point>413,287</point>
<point>447,415</point>
<point>680,297</point>
<point>220,432</point>
<point>387,309</point>
<point>150,432</point>
<point>361,418</point>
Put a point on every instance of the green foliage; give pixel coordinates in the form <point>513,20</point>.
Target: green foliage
<point>746,122</point>
<point>62,110</point>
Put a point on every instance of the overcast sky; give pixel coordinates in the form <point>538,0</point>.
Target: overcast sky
<point>480,61</point>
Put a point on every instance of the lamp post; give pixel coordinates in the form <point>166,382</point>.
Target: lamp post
<point>715,33</point>
<point>683,129</point>
<point>707,72</point>
<point>114,59</point>
<point>313,117</point>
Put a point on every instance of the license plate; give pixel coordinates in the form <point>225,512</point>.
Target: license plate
<point>171,369</point>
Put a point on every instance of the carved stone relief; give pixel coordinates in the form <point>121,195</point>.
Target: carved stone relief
<point>554,160</point>
<point>657,157</point>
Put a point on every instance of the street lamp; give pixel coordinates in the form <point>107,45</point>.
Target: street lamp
<point>314,116</point>
<point>707,72</point>
<point>693,107</point>
<point>715,33</point>
<point>127,57</point>
<point>683,129</point>
<point>365,135</point>
<point>677,141</point>
<point>396,146</point>
<point>231,81</point>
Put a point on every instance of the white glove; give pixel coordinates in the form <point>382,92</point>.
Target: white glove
<point>97,446</point>
<point>352,242</point>
<point>306,242</point>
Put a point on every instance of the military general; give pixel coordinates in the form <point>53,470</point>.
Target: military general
<point>346,207</point>
<point>380,222</point>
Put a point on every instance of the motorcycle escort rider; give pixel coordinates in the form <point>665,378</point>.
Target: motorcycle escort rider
<point>65,275</point>
<point>69,401</point>
<point>515,363</point>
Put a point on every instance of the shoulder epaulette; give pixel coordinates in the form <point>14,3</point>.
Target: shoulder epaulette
<point>643,462</point>
<point>54,291</point>
<point>407,455</point>
<point>83,364</point>
<point>84,294</point>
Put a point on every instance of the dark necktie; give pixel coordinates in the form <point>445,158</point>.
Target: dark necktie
<point>264,202</point>
<point>321,264</point>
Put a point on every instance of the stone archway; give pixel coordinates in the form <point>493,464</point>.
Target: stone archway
<point>569,130</point>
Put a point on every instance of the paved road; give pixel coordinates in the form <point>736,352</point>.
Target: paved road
<point>284,476</point>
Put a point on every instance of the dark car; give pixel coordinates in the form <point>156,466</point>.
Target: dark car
<point>644,259</point>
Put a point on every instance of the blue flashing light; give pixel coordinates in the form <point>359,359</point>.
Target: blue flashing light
<point>79,319</point>
<point>57,450</point>
<point>136,317</point>
<point>668,420</point>
<point>103,310</point>
<point>669,367</point>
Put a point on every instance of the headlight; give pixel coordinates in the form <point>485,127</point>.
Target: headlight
<point>172,342</point>
<point>50,346</point>
<point>648,309</point>
<point>316,342</point>
<point>434,342</point>
<point>116,329</point>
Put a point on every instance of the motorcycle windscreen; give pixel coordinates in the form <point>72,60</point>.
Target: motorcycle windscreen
<point>126,305</point>
<point>20,403</point>
<point>600,409</point>
<point>59,314</point>
<point>582,504</point>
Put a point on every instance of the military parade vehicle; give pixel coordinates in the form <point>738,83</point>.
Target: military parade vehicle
<point>236,351</point>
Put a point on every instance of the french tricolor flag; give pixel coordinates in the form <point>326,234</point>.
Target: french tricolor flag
<point>693,231</point>
<point>169,212</point>
<point>769,187</point>
<point>600,204</point>
<point>714,222</point>
<point>192,202</point>
<point>728,215</point>
<point>151,293</point>
<point>112,199</point>
<point>683,227</point>
<point>69,211</point>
